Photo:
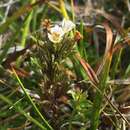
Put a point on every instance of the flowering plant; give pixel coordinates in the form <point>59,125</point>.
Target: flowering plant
<point>57,33</point>
<point>51,61</point>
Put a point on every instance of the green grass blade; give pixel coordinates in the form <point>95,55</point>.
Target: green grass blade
<point>63,9</point>
<point>98,97</point>
<point>32,103</point>
<point>5,99</point>
<point>17,14</point>
<point>102,85</point>
<point>25,29</point>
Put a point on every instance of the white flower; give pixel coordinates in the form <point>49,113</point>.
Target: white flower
<point>56,34</point>
<point>67,25</point>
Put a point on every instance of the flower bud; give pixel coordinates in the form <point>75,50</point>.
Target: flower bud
<point>78,36</point>
<point>46,24</point>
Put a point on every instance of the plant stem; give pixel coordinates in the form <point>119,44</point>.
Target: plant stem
<point>36,122</point>
<point>26,26</point>
<point>54,7</point>
<point>22,10</point>
<point>72,8</point>
<point>63,9</point>
<point>99,98</point>
<point>116,64</point>
<point>32,103</point>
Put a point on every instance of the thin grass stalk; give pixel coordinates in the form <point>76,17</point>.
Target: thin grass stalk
<point>103,78</point>
<point>5,99</point>
<point>63,9</point>
<point>98,97</point>
<point>81,46</point>
<point>80,71</point>
<point>71,119</point>
<point>54,7</point>
<point>111,104</point>
<point>116,63</point>
<point>72,9</point>
<point>22,10</point>
<point>94,84</point>
<point>25,29</point>
<point>46,124</point>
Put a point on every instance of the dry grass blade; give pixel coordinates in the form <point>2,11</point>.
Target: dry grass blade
<point>109,37</point>
<point>103,73</point>
<point>124,44</point>
<point>113,106</point>
<point>125,109</point>
<point>120,82</point>
<point>118,111</point>
<point>114,20</point>
<point>12,57</point>
<point>20,72</point>
<point>109,47</point>
<point>90,72</point>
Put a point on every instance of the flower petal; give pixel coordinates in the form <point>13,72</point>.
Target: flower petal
<point>67,25</point>
<point>56,34</point>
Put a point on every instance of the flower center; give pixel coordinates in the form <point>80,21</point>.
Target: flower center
<point>55,36</point>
